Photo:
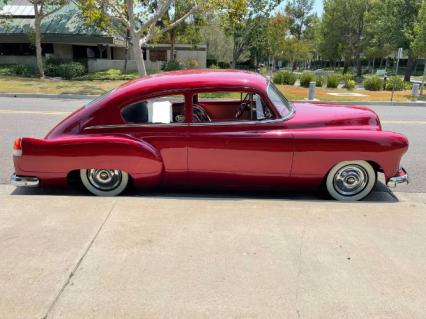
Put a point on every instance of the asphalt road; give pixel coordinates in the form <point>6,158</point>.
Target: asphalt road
<point>36,116</point>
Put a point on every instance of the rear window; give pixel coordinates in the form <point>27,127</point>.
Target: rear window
<point>161,110</point>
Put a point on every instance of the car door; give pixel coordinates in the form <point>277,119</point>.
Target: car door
<point>160,122</point>
<point>239,153</point>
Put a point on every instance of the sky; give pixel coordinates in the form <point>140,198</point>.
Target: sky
<point>318,7</point>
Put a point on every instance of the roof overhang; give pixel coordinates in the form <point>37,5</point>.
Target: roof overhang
<point>63,38</point>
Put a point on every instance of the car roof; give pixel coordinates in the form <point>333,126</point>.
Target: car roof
<point>195,79</point>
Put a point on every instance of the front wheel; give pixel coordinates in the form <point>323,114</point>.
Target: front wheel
<point>104,182</point>
<point>351,180</point>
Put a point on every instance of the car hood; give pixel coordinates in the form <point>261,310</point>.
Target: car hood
<point>329,116</point>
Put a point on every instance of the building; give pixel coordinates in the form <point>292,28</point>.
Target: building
<point>66,37</point>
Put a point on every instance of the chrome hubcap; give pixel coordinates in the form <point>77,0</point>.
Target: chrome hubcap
<point>104,179</point>
<point>350,180</point>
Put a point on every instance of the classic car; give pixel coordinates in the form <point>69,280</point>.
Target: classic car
<point>212,128</point>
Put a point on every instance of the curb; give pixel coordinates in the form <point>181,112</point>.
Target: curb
<point>89,97</point>
<point>408,103</point>
<point>49,96</point>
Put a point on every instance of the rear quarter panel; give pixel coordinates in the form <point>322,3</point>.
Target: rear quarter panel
<point>55,158</point>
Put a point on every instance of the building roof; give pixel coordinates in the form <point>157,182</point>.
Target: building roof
<point>61,26</point>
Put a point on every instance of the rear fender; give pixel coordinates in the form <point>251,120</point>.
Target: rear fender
<point>62,155</point>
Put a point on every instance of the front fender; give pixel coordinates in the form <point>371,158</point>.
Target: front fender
<point>65,154</point>
<point>316,152</point>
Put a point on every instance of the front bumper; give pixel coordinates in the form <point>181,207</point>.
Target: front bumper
<point>400,177</point>
<point>28,181</point>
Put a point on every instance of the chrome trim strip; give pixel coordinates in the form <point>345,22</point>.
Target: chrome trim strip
<point>184,124</point>
<point>399,179</point>
<point>24,181</point>
<point>134,125</point>
<point>237,122</point>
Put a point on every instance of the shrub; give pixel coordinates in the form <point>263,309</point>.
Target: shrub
<point>24,70</point>
<point>171,65</point>
<point>333,81</point>
<point>373,83</point>
<point>52,60</point>
<point>70,70</point>
<point>289,78</point>
<point>396,83</point>
<point>347,77</point>
<point>191,63</point>
<point>319,81</point>
<point>223,65</point>
<point>284,77</point>
<point>277,78</point>
<point>213,66</point>
<point>350,84</point>
<point>306,78</point>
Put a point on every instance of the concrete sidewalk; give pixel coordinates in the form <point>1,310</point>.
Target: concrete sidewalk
<point>162,256</point>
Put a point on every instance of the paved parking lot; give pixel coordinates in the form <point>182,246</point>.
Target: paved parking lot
<point>65,254</point>
<point>209,256</point>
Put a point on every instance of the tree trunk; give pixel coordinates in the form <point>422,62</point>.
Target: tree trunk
<point>126,51</point>
<point>172,44</point>
<point>345,66</point>
<point>358,65</point>
<point>136,41</point>
<point>234,55</point>
<point>410,66</point>
<point>37,30</point>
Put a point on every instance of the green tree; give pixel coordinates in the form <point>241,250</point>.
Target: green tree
<point>344,29</point>
<point>275,37</point>
<point>300,18</point>
<point>419,43</point>
<point>240,19</point>
<point>394,22</point>
<point>141,18</point>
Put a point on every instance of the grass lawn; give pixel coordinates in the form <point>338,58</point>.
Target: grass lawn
<point>322,94</point>
<point>10,84</point>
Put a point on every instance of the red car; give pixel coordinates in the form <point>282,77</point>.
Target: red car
<point>221,128</point>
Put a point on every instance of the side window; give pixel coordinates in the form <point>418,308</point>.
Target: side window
<point>229,107</point>
<point>160,110</point>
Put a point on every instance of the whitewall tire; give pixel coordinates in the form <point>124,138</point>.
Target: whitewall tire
<point>104,182</point>
<point>351,180</point>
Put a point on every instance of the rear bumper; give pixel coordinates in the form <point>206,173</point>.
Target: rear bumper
<point>400,177</point>
<point>28,181</point>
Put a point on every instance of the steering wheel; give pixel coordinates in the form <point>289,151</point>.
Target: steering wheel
<point>199,115</point>
<point>245,104</point>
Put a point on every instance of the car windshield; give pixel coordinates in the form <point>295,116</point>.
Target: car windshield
<point>280,102</point>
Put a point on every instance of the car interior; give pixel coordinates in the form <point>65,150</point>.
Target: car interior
<point>206,108</point>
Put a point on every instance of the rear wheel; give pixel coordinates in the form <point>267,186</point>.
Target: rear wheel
<point>104,182</point>
<point>351,180</point>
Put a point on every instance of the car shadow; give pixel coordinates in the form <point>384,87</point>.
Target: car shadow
<point>381,193</point>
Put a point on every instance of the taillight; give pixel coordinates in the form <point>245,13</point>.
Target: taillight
<point>17,147</point>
